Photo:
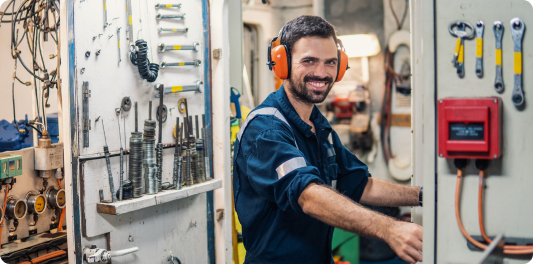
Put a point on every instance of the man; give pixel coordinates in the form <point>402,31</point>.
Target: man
<point>287,156</point>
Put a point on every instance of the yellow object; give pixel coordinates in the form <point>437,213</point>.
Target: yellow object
<point>235,129</point>
<point>61,198</point>
<point>181,63</point>
<point>518,62</point>
<point>457,46</point>
<point>105,6</point>
<point>130,20</point>
<point>169,5</point>
<point>479,48</point>
<point>498,57</point>
<point>177,47</point>
<point>174,29</point>
<point>177,89</point>
<point>461,57</point>
<point>39,204</point>
<point>119,44</point>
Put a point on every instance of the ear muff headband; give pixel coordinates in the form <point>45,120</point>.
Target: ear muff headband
<point>280,60</point>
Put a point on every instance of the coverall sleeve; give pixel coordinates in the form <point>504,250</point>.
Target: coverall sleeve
<point>278,171</point>
<point>352,173</point>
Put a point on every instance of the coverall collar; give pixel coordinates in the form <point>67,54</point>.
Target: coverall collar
<point>290,114</point>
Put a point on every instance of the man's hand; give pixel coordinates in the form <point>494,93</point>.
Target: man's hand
<point>406,240</point>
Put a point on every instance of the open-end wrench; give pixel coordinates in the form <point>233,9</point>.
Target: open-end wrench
<point>460,34</point>
<point>179,88</point>
<point>159,16</point>
<point>196,63</point>
<point>162,47</point>
<point>180,30</point>
<point>498,34</point>
<point>517,31</point>
<point>158,5</point>
<point>480,26</point>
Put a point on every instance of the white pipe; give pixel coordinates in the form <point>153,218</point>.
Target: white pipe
<point>123,252</point>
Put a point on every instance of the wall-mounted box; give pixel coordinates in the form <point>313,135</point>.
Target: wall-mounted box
<point>470,128</point>
<point>10,166</point>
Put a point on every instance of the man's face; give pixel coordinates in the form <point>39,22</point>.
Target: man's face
<point>314,68</point>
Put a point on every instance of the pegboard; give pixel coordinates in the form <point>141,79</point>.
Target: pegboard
<point>180,226</point>
<point>508,181</point>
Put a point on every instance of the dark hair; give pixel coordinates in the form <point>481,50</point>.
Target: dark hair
<point>306,26</point>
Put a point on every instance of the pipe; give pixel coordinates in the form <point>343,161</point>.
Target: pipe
<point>45,257</point>
<point>123,252</point>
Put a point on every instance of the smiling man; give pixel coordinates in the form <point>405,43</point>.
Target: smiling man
<point>293,180</point>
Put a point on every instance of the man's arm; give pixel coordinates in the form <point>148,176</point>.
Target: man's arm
<point>384,193</point>
<point>339,211</point>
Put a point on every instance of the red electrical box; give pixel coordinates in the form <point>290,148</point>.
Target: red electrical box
<point>470,128</point>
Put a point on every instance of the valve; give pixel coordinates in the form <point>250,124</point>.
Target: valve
<point>92,254</point>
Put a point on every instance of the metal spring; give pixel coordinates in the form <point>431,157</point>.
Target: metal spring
<point>175,172</point>
<point>135,164</point>
<point>200,161</point>
<point>186,170</point>
<point>194,156</point>
<point>159,153</point>
<point>149,161</point>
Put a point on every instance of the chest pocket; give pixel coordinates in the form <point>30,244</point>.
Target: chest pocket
<point>332,167</point>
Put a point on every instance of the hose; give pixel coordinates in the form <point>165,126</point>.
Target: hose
<point>506,249</point>
<point>60,226</point>
<point>45,257</point>
<point>123,252</point>
<point>147,70</point>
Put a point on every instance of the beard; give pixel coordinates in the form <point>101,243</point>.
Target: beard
<point>301,93</point>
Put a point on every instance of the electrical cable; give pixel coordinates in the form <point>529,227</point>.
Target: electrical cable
<point>4,211</point>
<point>506,249</point>
<point>45,257</point>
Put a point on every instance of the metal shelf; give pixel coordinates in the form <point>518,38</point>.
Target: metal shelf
<point>126,206</point>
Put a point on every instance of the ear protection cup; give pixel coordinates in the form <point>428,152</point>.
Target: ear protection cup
<point>281,61</point>
<point>342,66</point>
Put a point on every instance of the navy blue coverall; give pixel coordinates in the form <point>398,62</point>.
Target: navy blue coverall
<point>276,157</point>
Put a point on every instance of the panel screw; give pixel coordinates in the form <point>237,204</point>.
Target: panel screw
<point>495,101</point>
<point>130,239</point>
<point>87,54</point>
<point>440,101</point>
<point>440,155</point>
<point>495,156</point>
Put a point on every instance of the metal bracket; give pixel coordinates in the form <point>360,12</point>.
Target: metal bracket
<point>85,108</point>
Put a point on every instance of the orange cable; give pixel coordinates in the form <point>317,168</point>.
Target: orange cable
<point>3,212</point>
<point>45,257</point>
<point>480,215</point>
<point>506,249</point>
<point>60,227</point>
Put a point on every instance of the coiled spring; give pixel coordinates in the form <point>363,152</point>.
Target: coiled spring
<point>149,161</point>
<point>139,58</point>
<point>200,161</point>
<point>159,153</point>
<point>135,163</point>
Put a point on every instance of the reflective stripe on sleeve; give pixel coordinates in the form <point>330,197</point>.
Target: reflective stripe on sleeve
<point>331,152</point>
<point>290,165</point>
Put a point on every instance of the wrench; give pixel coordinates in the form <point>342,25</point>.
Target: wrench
<point>159,16</point>
<point>162,47</point>
<point>461,34</point>
<point>517,31</point>
<point>196,63</point>
<point>480,26</point>
<point>498,34</point>
<point>179,89</point>
<point>158,5</point>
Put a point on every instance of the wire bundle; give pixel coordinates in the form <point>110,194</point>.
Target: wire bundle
<point>139,58</point>
<point>36,17</point>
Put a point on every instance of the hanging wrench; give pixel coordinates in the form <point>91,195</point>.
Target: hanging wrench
<point>498,34</point>
<point>461,35</point>
<point>517,30</point>
<point>196,63</point>
<point>480,26</point>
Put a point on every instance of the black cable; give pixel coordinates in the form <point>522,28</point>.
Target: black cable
<point>404,13</point>
<point>147,70</point>
<point>14,116</point>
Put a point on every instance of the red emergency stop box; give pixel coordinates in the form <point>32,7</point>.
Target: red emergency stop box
<point>470,128</point>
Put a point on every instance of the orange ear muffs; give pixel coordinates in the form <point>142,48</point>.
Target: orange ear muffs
<point>342,66</point>
<point>281,62</point>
